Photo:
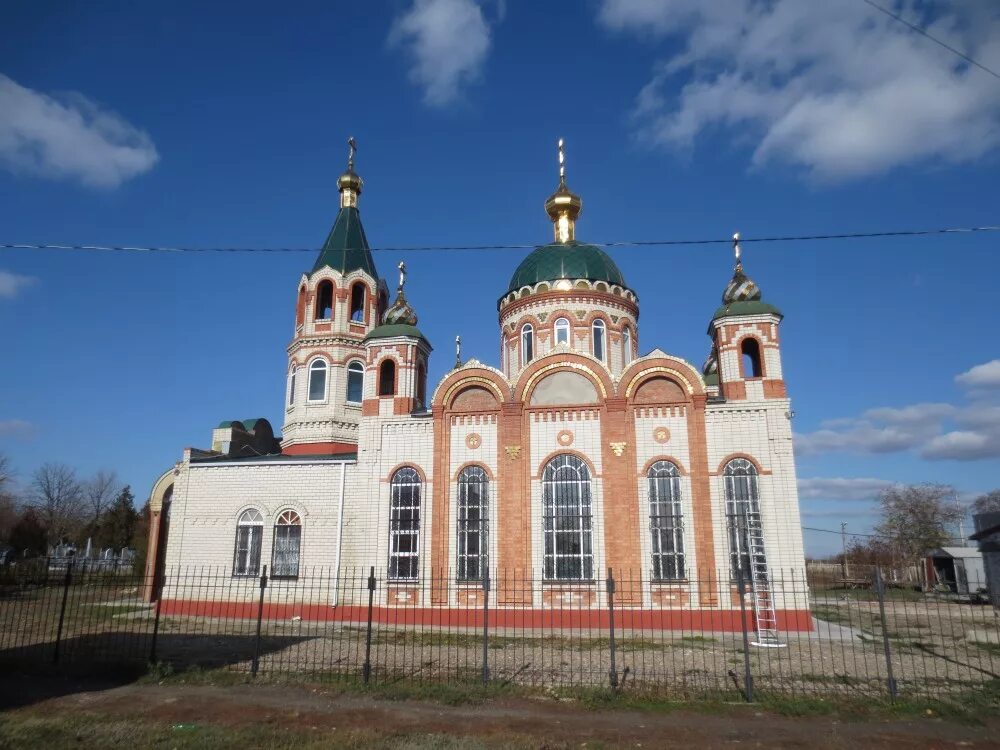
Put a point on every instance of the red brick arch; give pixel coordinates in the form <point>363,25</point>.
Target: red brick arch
<point>565,452</point>
<point>722,464</point>
<point>479,465</point>
<point>672,459</point>
<point>405,465</point>
<point>590,368</point>
<point>455,382</point>
<point>676,370</point>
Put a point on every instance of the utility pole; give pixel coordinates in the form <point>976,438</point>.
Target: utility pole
<point>843,545</point>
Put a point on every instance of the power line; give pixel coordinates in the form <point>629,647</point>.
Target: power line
<point>849,533</point>
<point>933,39</point>
<point>420,248</point>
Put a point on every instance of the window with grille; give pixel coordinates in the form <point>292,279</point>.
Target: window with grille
<point>473,523</point>
<point>249,531</point>
<point>567,522</point>
<point>742,505</point>
<point>404,525</point>
<point>600,332</point>
<point>287,545</point>
<point>665,521</point>
<point>317,381</point>
<point>355,382</point>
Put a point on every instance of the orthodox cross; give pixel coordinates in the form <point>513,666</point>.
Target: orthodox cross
<point>562,162</point>
<point>402,276</point>
<point>736,248</point>
<point>352,147</point>
<point>458,351</point>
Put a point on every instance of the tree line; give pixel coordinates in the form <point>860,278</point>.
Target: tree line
<point>58,507</point>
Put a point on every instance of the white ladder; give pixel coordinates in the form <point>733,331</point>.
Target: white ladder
<point>761,594</point>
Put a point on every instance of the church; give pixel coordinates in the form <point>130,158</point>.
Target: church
<point>575,454</point>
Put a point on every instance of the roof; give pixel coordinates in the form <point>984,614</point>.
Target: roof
<point>346,247</point>
<point>960,552</point>
<point>746,307</point>
<point>565,260</point>
<point>390,330</point>
<point>273,458</point>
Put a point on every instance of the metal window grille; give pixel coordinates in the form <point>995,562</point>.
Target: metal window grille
<point>404,525</point>
<point>599,339</point>
<point>317,380</point>
<point>287,545</point>
<point>249,531</point>
<point>355,382</point>
<point>473,523</point>
<point>527,344</point>
<point>742,503</point>
<point>567,522</point>
<point>666,521</point>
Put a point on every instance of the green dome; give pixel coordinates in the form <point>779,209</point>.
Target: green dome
<point>391,330</point>
<point>569,260</point>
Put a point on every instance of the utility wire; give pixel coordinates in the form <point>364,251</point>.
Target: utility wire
<point>415,248</point>
<point>933,39</point>
<point>849,533</point>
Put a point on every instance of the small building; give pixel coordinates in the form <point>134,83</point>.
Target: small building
<point>987,536</point>
<point>959,568</point>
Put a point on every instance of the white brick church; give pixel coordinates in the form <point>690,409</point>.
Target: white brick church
<point>582,450</point>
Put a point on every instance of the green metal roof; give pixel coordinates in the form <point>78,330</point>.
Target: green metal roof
<point>346,248</point>
<point>746,307</point>
<point>389,330</point>
<point>565,260</point>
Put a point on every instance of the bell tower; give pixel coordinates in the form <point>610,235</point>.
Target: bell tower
<point>339,302</point>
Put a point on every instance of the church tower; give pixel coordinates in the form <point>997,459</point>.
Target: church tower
<point>340,301</point>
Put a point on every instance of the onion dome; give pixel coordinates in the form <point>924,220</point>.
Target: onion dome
<point>400,319</point>
<point>742,296</point>
<point>710,370</point>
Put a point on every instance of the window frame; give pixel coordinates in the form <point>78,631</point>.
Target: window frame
<point>471,476</point>
<point>288,520</point>
<point>756,357</point>
<point>404,478</point>
<point>249,520</point>
<point>527,337</point>
<point>325,367</point>
<point>323,286</point>
<point>742,498</point>
<point>599,325</point>
<point>626,346</point>
<point>390,362</point>
<point>572,494</point>
<point>666,522</point>
<point>292,376</point>
<point>358,310</point>
<point>351,371</point>
<point>562,323</point>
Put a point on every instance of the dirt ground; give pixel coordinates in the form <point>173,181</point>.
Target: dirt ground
<point>259,713</point>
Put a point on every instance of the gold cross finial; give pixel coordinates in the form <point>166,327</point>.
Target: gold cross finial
<point>736,248</point>
<point>562,163</point>
<point>402,276</point>
<point>352,147</point>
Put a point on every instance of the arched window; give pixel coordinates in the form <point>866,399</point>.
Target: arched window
<point>300,306</point>
<point>750,349</point>
<point>387,378</point>
<point>358,302</point>
<point>421,385</point>
<point>355,382</point>
<point>567,523</point>
<point>665,521</point>
<point>742,515</point>
<point>626,345</point>
<point>324,300</point>
<point>473,523</point>
<point>287,544</point>
<point>527,344</point>
<point>291,386</point>
<point>404,525</point>
<point>599,335</point>
<point>562,331</point>
<point>317,380</point>
<point>249,530</point>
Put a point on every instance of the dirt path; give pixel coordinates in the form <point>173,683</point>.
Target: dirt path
<point>544,723</point>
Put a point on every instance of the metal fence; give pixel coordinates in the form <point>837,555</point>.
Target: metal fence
<point>691,638</point>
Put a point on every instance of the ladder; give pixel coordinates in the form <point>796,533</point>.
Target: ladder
<point>761,595</point>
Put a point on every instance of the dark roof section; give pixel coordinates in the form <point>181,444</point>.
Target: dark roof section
<point>565,260</point>
<point>274,458</point>
<point>346,247</point>
<point>388,330</point>
<point>747,307</point>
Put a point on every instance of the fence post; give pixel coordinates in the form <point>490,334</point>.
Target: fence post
<point>366,671</point>
<point>156,630</point>
<point>741,587</point>
<point>62,609</point>
<point>486,626</point>
<point>260,616</point>
<point>613,672</point>
<point>880,593</point>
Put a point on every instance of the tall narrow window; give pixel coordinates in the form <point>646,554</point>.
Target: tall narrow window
<point>562,331</point>
<point>421,385</point>
<point>567,524</point>
<point>324,300</point>
<point>527,344</point>
<point>300,306</point>
<point>665,521</point>
<point>249,530</point>
<point>473,523</point>
<point>287,544</point>
<point>742,512</point>
<point>317,380</point>
<point>358,302</point>
<point>626,345</point>
<point>599,334</point>
<point>387,378</point>
<point>355,382</point>
<point>291,386</point>
<point>750,349</point>
<point>404,525</point>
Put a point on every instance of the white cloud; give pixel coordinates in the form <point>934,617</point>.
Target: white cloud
<point>836,88</point>
<point>16,428</point>
<point>882,430</point>
<point>448,41</point>
<point>12,283</point>
<point>842,488</point>
<point>69,138</point>
<point>986,375</point>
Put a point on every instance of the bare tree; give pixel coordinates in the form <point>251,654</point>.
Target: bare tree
<point>98,492</point>
<point>916,518</point>
<point>57,497</point>
<point>988,503</point>
<point>8,501</point>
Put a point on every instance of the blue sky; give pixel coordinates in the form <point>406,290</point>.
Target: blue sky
<point>212,125</point>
